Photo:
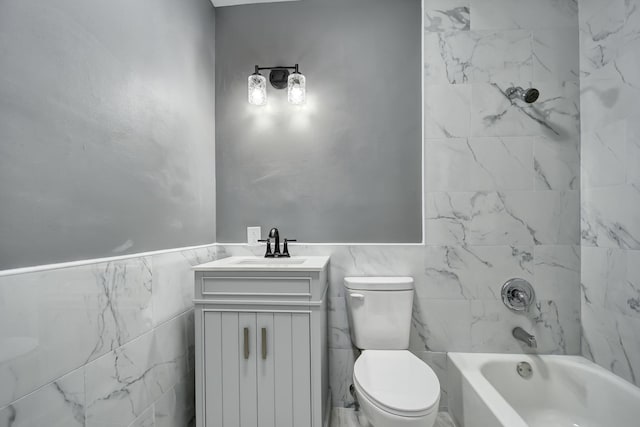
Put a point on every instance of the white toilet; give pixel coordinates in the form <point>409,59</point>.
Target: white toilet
<point>394,387</point>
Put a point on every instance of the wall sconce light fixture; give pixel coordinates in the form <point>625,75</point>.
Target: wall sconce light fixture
<point>280,78</point>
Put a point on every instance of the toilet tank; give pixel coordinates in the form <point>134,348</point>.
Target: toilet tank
<point>379,311</point>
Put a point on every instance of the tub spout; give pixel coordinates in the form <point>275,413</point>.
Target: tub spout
<point>522,335</point>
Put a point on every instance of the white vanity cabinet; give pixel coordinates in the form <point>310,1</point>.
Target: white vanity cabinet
<point>261,343</point>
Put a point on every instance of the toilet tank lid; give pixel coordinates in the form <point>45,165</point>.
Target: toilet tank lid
<point>379,283</point>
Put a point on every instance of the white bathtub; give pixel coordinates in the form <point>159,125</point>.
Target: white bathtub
<point>485,390</point>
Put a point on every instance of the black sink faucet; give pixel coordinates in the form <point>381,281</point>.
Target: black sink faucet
<point>275,234</point>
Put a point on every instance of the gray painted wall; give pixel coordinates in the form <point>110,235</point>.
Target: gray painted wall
<point>106,128</point>
<point>347,166</point>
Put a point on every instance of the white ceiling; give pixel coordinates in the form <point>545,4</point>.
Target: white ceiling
<point>220,3</point>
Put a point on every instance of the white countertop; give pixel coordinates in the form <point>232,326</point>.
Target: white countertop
<point>252,263</point>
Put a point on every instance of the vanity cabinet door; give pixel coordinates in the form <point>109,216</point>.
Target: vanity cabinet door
<point>284,370</point>
<point>257,369</point>
<point>230,382</point>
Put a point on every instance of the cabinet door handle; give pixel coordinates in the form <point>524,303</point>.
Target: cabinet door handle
<point>264,343</point>
<point>246,343</point>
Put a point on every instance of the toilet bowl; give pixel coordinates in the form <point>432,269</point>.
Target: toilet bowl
<point>394,387</point>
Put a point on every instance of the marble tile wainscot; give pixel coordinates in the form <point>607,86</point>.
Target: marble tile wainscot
<point>104,344</point>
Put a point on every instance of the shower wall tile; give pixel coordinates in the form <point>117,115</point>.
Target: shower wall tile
<point>446,15</point>
<point>556,164</point>
<point>611,155</point>
<point>502,218</point>
<point>502,189</point>
<point>494,114</point>
<point>447,110</point>
<point>600,268</point>
<point>478,56</point>
<point>556,114</point>
<point>555,325</point>
<point>556,270</point>
<point>608,41</point>
<point>556,54</point>
<point>509,14</point>
<point>478,272</point>
<point>474,272</point>
<point>623,296</point>
<point>551,217</point>
<point>611,280</point>
<point>633,151</point>
<point>610,205</point>
<point>589,8</point>
<point>480,164</point>
<point>611,217</point>
<point>605,102</point>
<point>502,178</point>
<point>605,156</point>
<point>612,341</point>
<point>475,218</point>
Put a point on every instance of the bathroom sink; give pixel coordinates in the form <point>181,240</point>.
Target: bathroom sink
<point>258,263</point>
<point>268,261</point>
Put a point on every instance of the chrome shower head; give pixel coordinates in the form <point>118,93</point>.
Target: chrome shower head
<point>527,95</point>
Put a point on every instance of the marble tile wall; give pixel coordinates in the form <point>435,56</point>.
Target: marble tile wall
<point>502,177</point>
<point>108,344</point>
<point>610,206</point>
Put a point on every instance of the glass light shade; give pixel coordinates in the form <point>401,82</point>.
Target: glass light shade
<point>297,85</point>
<point>257,89</point>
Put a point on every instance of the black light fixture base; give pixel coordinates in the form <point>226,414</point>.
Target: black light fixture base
<point>278,78</point>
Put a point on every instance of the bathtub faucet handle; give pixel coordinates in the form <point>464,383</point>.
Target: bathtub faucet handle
<point>518,294</point>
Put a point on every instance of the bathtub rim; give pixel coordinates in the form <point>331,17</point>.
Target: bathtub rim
<point>470,367</point>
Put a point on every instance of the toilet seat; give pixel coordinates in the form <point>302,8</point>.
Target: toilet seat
<point>397,382</point>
